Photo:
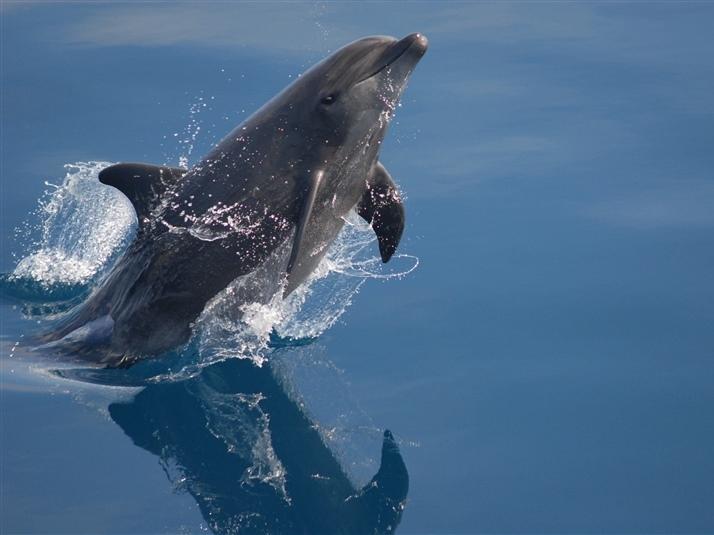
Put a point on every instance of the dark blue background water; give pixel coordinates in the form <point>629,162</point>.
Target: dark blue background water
<point>549,365</point>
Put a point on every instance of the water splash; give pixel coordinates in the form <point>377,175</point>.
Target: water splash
<point>81,227</point>
<point>184,142</point>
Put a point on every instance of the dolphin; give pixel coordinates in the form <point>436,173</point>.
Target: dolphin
<point>280,184</point>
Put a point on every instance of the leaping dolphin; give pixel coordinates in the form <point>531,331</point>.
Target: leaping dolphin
<point>287,175</point>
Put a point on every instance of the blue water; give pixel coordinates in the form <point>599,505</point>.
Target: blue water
<point>546,367</point>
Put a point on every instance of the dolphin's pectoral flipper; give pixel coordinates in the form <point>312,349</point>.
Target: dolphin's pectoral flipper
<point>299,240</point>
<point>381,206</point>
<point>143,184</point>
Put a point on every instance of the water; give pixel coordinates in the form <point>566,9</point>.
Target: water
<point>546,367</point>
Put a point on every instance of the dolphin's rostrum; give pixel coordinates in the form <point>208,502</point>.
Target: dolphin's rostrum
<point>288,175</point>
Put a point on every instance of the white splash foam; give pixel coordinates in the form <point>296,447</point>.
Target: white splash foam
<point>82,224</point>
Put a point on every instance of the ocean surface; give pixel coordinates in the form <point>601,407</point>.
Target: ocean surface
<point>537,358</point>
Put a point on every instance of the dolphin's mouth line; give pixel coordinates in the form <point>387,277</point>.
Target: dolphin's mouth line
<point>375,73</point>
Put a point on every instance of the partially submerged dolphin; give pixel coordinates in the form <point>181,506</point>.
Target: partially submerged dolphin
<point>283,180</point>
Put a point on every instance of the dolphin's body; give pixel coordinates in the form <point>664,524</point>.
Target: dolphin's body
<point>282,180</point>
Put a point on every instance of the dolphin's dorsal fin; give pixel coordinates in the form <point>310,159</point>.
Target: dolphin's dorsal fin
<point>299,240</point>
<point>143,184</point>
<point>382,207</point>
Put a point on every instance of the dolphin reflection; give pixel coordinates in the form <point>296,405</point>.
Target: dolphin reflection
<point>252,459</point>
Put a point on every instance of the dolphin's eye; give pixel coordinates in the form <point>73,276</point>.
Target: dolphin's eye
<point>329,99</point>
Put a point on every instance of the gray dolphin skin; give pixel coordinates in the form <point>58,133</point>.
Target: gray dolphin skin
<point>282,181</point>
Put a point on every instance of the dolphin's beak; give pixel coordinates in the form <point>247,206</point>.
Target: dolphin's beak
<point>412,46</point>
<point>416,43</point>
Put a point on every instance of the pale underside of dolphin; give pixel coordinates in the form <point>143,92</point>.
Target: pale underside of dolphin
<point>283,180</point>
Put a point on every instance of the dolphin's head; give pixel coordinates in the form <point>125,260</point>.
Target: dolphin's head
<point>350,96</point>
<point>360,84</point>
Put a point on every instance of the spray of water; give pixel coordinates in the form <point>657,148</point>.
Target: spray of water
<point>79,227</point>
